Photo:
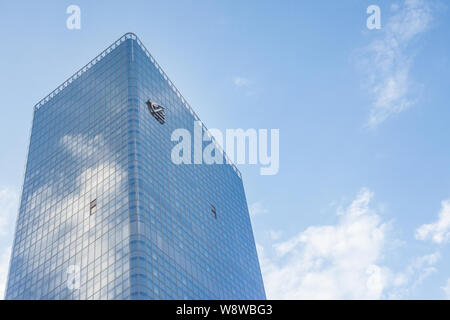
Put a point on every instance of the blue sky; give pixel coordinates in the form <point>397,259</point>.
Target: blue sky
<point>358,208</point>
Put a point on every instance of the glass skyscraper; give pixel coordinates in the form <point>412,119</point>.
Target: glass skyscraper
<point>106,214</point>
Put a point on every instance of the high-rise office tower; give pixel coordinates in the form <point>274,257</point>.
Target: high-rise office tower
<point>106,214</point>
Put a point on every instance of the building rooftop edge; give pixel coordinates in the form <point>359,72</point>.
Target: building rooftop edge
<point>104,53</point>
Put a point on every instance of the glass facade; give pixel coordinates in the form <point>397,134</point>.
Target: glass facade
<point>106,214</point>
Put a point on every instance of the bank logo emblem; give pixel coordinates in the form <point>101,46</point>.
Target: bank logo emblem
<point>157,111</point>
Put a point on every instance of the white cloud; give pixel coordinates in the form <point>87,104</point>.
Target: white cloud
<point>439,231</point>
<point>8,209</point>
<point>9,201</point>
<point>339,261</point>
<point>245,84</point>
<point>405,282</point>
<point>92,182</point>
<point>4,265</point>
<point>257,208</point>
<point>275,235</point>
<point>387,62</point>
<point>446,289</point>
<point>81,146</point>
<point>241,82</point>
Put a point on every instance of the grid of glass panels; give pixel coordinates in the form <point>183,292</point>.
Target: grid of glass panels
<point>77,154</point>
<point>179,248</point>
<point>153,234</point>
